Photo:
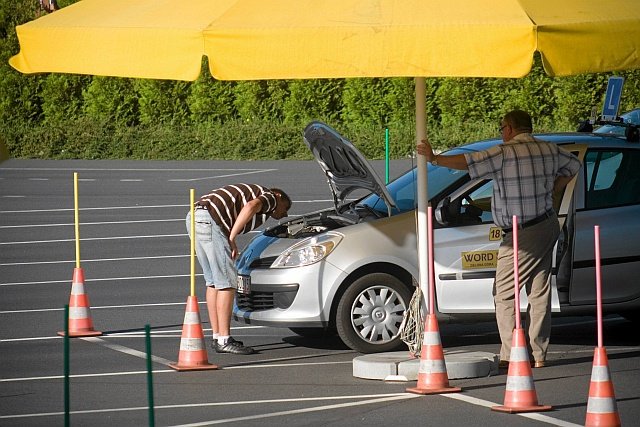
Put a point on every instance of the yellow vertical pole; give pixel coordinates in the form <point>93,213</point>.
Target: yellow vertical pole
<point>193,244</point>
<point>77,223</point>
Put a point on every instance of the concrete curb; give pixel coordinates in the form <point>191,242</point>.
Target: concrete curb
<point>400,366</point>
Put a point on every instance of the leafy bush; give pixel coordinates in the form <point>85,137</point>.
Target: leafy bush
<point>111,100</point>
<point>61,98</point>
<point>68,116</point>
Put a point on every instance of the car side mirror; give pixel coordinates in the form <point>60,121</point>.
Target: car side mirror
<point>448,213</point>
<point>441,211</point>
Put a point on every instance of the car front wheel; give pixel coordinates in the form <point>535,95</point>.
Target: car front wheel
<point>370,312</point>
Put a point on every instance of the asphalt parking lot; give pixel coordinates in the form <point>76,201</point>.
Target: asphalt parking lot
<point>134,252</point>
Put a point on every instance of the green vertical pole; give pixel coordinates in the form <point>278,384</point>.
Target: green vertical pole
<point>386,154</point>
<point>66,366</point>
<point>147,330</point>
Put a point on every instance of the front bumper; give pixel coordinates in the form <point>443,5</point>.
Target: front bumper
<point>289,297</point>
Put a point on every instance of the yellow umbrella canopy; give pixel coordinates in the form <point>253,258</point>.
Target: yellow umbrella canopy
<point>283,39</point>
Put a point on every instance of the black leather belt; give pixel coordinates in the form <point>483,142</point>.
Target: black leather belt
<point>201,207</point>
<point>532,222</point>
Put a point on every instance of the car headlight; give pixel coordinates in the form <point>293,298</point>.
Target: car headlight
<point>308,251</point>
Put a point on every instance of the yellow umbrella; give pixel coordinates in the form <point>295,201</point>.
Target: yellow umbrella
<point>282,39</point>
<point>295,39</point>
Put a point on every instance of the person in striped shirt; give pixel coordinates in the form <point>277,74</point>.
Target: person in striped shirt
<point>220,216</point>
<point>526,174</point>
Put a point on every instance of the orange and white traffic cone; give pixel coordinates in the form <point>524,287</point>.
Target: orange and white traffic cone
<point>432,373</point>
<point>602,410</point>
<point>520,395</point>
<point>193,351</point>
<point>80,323</point>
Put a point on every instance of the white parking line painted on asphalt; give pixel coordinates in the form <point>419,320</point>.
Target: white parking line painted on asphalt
<point>103,279</point>
<point>132,169</point>
<point>204,405</point>
<point>107,208</point>
<point>139,334</point>
<point>265,363</point>
<point>71,224</point>
<point>98,307</point>
<point>102,374</point>
<point>532,415</point>
<point>110,208</point>
<point>138,258</point>
<point>132,180</point>
<point>262,363</point>
<point>403,396</point>
<point>28,242</point>
<point>127,350</point>
<point>224,176</point>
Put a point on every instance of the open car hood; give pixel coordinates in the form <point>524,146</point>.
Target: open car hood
<point>345,167</point>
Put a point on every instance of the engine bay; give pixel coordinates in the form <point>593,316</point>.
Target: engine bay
<point>319,222</point>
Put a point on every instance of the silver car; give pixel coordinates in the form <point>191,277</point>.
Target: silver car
<point>353,268</point>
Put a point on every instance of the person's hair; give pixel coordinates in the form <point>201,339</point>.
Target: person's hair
<point>519,120</point>
<point>283,195</point>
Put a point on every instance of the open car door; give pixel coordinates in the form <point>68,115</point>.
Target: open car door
<point>466,246</point>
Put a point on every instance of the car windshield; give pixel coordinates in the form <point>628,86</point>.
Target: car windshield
<point>632,117</point>
<point>403,189</point>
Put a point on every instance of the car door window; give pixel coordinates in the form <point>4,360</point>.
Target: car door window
<point>478,202</point>
<point>612,178</point>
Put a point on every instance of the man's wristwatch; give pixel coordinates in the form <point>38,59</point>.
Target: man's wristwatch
<point>434,161</point>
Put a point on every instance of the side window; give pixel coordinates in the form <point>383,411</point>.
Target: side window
<point>480,198</point>
<point>612,178</point>
<point>469,206</point>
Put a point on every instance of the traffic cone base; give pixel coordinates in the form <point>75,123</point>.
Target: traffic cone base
<point>81,334</point>
<point>602,409</point>
<point>193,352</point>
<point>426,391</point>
<point>193,367</point>
<point>512,410</point>
<point>520,394</point>
<point>80,323</point>
<point>432,372</point>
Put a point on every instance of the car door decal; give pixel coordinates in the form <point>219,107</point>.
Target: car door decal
<point>479,259</point>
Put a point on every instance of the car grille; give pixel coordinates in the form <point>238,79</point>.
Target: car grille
<point>255,301</point>
<point>262,262</point>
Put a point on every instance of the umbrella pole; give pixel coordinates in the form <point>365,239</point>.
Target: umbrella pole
<point>422,190</point>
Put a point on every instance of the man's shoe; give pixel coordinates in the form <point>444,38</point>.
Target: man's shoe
<point>216,346</point>
<point>234,347</point>
<point>503,364</point>
<point>538,364</point>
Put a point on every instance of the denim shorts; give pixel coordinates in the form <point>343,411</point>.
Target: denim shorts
<point>213,251</point>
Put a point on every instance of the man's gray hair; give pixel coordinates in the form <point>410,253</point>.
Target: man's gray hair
<point>519,120</point>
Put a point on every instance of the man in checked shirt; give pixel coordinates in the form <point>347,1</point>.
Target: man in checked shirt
<point>220,216</point>
<point>526,173</point>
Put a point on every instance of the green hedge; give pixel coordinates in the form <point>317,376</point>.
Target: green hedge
<point>69,116</point>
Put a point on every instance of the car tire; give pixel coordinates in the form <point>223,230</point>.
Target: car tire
<point>370,312</point>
